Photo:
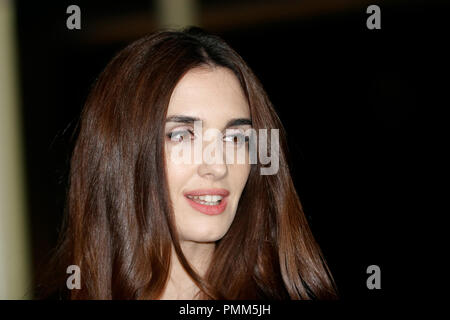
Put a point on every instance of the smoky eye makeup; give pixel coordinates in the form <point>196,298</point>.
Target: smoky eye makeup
<point>180,134</point>
<point>236,136</point>
<point>179,128</point>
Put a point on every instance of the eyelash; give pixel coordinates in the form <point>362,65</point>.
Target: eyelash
<point>183,133</point>
<point>239,140</point>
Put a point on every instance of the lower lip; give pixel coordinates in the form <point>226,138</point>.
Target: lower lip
<point>209,210</point>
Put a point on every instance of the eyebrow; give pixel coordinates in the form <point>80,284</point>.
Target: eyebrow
<point>238,122</point>
<point>182,119</point>
<point>231,123</point>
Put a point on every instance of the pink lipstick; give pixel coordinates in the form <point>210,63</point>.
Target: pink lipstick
<point>208,201</point>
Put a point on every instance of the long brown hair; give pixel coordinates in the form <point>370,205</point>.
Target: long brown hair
<point>119,226</point>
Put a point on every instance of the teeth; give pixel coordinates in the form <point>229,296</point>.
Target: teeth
<point>209,203</point>
<point>210,200</point>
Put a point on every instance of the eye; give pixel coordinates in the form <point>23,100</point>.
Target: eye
<point>180,135</point>
<point>236,138</point>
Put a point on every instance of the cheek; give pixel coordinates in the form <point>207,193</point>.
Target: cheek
<point>239,174</point>
<point>177,174</point>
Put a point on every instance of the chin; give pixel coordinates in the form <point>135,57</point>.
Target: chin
<point>205,235</point>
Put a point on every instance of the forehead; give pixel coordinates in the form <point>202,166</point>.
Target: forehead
<point>211,94</point>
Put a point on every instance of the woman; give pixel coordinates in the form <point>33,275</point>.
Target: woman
<point>141,225</point>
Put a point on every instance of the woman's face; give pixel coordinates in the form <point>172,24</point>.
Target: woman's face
<point>205,194</point>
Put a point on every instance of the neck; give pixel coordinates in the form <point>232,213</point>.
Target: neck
<point>179,284</point>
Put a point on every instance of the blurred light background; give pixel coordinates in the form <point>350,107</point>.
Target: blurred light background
<point>14,234</point>
<point>354,102</point>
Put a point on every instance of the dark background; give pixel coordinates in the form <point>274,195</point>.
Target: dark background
<point>357,105</point>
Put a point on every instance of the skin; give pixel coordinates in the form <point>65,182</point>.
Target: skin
<point>215,96</point>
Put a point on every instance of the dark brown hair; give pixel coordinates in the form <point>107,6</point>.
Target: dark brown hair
<point>119,225</point>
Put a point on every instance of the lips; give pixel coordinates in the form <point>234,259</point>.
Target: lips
<point>208,201</point>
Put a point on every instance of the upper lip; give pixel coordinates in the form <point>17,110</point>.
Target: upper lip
<point>204,192</point>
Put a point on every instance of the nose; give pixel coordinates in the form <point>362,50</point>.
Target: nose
<point>215,171</point>
<point>213,168</point>
<point>213,165</point>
